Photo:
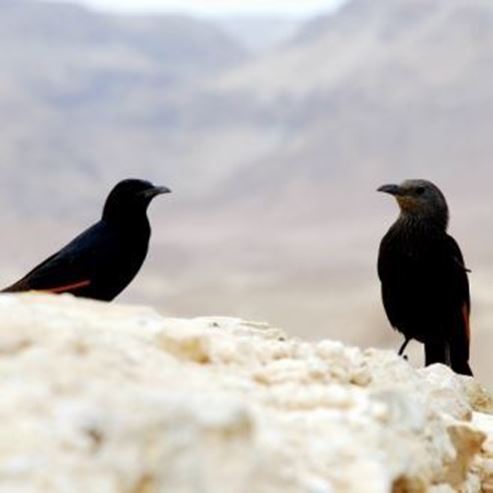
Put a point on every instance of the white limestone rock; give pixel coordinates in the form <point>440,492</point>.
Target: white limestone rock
<point>107,398</point>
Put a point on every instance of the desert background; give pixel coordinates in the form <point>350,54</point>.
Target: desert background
<point>273,131</point>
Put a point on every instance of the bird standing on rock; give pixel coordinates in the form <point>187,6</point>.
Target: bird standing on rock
<point>425,288</point>
<point>103,260</point>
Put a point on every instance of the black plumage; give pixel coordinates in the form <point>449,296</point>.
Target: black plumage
<point>103,260</point>
<point>425,287</point>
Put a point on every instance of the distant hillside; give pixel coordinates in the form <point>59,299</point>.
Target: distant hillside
<point>261,33</point>
<point>382,88</point>
<point>86,95</point>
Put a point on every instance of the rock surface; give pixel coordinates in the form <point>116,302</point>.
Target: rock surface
<point>117,399</point>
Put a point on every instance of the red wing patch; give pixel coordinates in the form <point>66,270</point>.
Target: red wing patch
<point>467,325</point>
<point>69,287</point>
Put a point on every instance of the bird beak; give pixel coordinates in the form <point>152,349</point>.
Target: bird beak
<point>152,192</point>
<point>390,189</point>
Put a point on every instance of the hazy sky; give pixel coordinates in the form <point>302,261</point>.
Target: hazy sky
<point>216,7</point>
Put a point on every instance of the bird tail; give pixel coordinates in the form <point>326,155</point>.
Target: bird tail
<point>14,288</point>
<point>461,365</point>
<point>454,354</point>
<point>459,345</point>
<point>455,351</point>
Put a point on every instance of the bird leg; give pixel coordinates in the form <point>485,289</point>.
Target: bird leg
<point>403,348</point>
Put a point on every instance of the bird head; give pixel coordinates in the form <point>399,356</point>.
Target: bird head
<point>419,199</point>
<point>130,198</point>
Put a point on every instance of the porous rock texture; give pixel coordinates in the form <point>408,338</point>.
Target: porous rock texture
<point>107,398</point>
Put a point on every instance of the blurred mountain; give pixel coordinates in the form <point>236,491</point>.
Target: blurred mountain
<point>260,33</point>
<point>80,92</point>
<point>274,155</point>
<point>383,86</point>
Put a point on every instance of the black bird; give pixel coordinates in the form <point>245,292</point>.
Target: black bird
<point>103,260</point>
<point>425,288</point>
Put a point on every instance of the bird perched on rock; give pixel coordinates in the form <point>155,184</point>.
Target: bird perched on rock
<point>425,288</point>
<point>103,260</point>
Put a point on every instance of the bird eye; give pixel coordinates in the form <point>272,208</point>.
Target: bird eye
<point>420,191</point>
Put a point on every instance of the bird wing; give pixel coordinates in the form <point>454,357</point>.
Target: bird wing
<point>453,252</point>
<point>68,270</point>
<point>452,294</point>
<point>458,284</point>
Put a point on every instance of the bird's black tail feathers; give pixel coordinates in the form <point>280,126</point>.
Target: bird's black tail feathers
<point>459,352</point>
<point>454,354</point>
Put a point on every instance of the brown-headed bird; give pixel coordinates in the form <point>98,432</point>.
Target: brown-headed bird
<point>425,288</point>
<point>103,260</point>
